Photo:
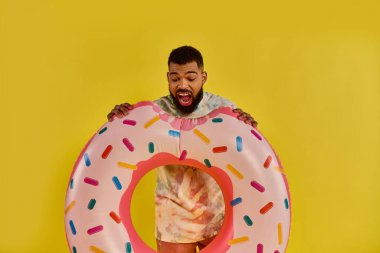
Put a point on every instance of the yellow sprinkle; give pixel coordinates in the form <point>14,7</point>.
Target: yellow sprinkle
<point>71,205</point>
<point>235,171</point>
<point>238,240</point>
<point>151,122</point>
<point>127,165</point>
<point>96,250</point>
<point>201,135</point>
<point>280,170</point>
<point>279,233</point>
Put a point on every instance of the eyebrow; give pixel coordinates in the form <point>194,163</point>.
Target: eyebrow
<point>188,72</point>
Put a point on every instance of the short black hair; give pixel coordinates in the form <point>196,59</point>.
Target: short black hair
<point>186,54</point>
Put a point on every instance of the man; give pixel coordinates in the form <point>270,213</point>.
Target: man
<point>189,204</point>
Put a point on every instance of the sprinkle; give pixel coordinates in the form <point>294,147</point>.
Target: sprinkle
<point>201,135</point>
<point>72,183</point>
<point>103,130</point>
<point>280,169</point>
<point>96,250</point>
<point>129,122</point>
<point>87,160</point>
<point>127,165</point>
<point>129,247</point>
<point>107,151</point>
<point>286,202</point>
<point>128,144</point>
<point>247,220</point>
<point>151,147</point>
<point>207,162</point>
<point>174,133</point>
<point>91,204</point>
<point>235,171</point>
<point>260,248</point>
<point>219,149</point>
<point>183,155</point>
<point>72,227</point>
<point>267,162</point>
<point>276,251</point>
<point>116,182</point>
<point>258,186</point>
<point>279,227</point>
<point>217,120</point>
<point>74,249</point>
<point>94,230</point>
<point>70,206</point>
<point>91,181</point>
<point>266,208</point>
<point>238,240</point>
<point>239,144</point>
<point>236,201</point>
<point>151,122</point>
<point>115,217</point>
<point>256,134</point>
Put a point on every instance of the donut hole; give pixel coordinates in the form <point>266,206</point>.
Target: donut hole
<point>203,204</point>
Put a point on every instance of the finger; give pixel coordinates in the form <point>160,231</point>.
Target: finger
<point>127,105</point>
<point>124,110</point>
<point>237,110</point>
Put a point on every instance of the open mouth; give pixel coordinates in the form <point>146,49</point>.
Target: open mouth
<point>185,98</point>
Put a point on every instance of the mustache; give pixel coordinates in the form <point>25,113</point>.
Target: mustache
<point>183,90</point>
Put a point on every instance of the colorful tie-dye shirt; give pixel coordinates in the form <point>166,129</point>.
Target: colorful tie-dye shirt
<point>189,204</point>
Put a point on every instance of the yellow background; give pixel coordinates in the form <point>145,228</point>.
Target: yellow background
<point>309,72</point>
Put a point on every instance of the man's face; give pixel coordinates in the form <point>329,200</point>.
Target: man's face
<point>186,85</point>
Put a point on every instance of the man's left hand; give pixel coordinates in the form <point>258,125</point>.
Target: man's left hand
<point>247,118</point>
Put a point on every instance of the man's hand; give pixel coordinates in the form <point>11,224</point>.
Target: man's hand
<point>247,118</point>
<point>119,111</point>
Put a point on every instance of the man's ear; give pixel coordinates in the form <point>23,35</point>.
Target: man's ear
<point>204,77</point>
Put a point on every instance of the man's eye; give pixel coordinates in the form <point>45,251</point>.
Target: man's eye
<point>174,79</point>
<point>191,79</point>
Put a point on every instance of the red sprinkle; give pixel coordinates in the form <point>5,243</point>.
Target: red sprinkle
<point>95,230</point>
<point>258,186</point>
<point>219,149</point>
<point>115,217</point>
<point>107,151</point>
<point>91,181</point>
<point>128,144</point>
<point>183,155</point>
<point>129,122</point>
<point>266,208</point>
<point>267,162</point>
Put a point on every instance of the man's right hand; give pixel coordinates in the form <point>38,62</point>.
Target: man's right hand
<point>119,111</point>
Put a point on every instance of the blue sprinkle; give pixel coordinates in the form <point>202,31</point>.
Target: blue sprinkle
<point>286,203</point>
<point>72,183</point>
<point>236,201</point>
<point>73,230</point>
<point>239,144</point>
<point>129,247</point>
<point>116,182</point>
<point>87,160</point>
<point>103,130</point>
<point>174,133</point>
<point>217,120</point>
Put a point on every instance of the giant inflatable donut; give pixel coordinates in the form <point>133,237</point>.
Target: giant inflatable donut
<point>248,171</point>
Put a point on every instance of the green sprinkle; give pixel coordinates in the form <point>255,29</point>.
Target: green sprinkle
<point>207,162</point>
<point>248,220</point>
<point>91,204</point>
<point>103,130</point>
<point>217,120</point>
<point>151,147</point>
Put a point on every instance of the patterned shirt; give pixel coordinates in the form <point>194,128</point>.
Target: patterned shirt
<point>189,204</point>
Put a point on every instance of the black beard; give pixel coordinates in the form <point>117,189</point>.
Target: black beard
<point>188,109</point>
